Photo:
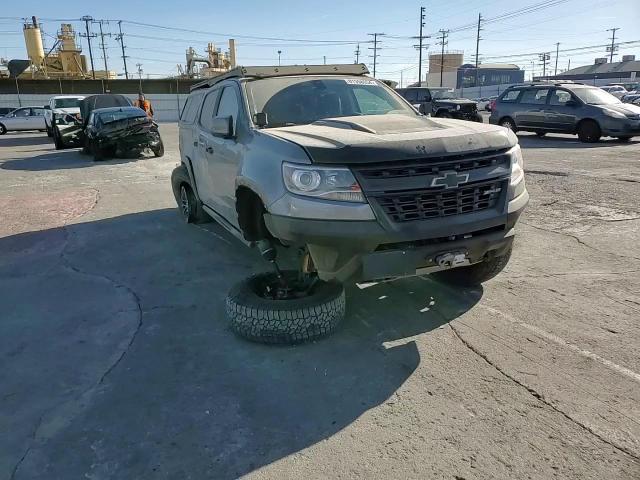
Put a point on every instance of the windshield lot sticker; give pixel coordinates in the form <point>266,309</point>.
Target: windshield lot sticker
<point>360,81</point>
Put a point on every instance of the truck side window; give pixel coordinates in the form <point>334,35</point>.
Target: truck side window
<point>208,109</point>
<point>228,105</point>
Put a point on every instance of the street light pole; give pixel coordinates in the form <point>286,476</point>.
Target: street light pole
<point>279,53</point>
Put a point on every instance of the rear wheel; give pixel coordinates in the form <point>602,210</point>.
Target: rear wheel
<point>262,309</point>
<point>476,274</point>
<point>508,122</point>
<point>589,131</point>
<point>56,140</point>
<point>189,206</point>
<point>3,129</point>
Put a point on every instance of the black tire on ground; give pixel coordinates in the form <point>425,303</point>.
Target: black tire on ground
<point>189,206</point>
<point>507,122</point>
<point>158,151</point>
<point>284,321</point>
<point>443,114</point>
<point>56,140</point>
<point>474,275</point>
<point>478,118</point>
<point>541,134</point>
<point>624,139</point>
<point>98,153</point>
<point>3,129</point>
<point>49,132</point>
<point>589,131</point>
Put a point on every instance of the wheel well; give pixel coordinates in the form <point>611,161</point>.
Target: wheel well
<point>250,211</point>
<point>586,120</point>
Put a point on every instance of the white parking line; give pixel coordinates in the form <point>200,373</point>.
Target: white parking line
<point>560,341</point>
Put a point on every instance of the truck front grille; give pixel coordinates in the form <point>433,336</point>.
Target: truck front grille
<point>433,203</point>
<point>433,166</point>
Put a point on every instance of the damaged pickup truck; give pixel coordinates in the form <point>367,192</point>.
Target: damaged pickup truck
<point>330,164</point>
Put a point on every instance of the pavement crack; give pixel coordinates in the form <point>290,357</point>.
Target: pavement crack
<point>541,397</point>
<point>577,239</point>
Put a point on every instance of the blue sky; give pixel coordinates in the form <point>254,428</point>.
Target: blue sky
<point>333,28</point>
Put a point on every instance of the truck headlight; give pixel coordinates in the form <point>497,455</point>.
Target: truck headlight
<point>328,183</point>
<point>516,184</point>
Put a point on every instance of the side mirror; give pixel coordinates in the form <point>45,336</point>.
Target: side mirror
<point>222,126</point>
<point>260,119</point>
<point>571,103</point>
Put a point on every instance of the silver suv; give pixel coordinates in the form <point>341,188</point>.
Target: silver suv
<point>335,166</point>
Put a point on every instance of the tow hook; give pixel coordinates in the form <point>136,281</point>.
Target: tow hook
<point>452,259</point>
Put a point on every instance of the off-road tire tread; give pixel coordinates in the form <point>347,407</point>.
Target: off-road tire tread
<point>476,274</point>
<point>287,322</point>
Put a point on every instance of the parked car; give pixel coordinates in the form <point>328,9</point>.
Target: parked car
<point>61,105</point>
<point>26,118</point>
<point>631,98</point>
<point>339,168</point>
<point>115,131</point>
<point>617,91</point>
<point>492,101</point>
<point>5,110</point>
<point>441,102</point>
<point>572,108</point>
<point>69,129</point>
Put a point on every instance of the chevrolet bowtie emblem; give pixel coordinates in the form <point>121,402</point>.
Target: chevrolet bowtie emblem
<point>450,180</point>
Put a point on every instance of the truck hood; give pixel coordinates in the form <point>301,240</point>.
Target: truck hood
<point>393,137</point>
<point>67,111</point>
<point>453,101</point>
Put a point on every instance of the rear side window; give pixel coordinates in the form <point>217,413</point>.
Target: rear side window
<point>191,108</point>
<point>511,96</point>
<point>535,96</point>
<point>410,95</point>
<point>208,109</point>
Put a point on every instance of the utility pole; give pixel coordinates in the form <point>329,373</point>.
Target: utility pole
<point>420,38</point>
<point>555,72</point>
<point>120,38</point>
<point>478,46</point>
<point>544,58</point>
<point>613,46</point>
<point>279,53</point>
<point>357,53</point>
<point>443,41</point>
<point>324,59</point>
<point>375,49</point>
<point>139,65</point>
<point>104,50</point>
<point>86,19</point>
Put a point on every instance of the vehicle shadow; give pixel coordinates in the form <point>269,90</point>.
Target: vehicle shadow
<point>177,395</point>
<point>17,140</point>
<point>61,160</point>
<point>562,141</point>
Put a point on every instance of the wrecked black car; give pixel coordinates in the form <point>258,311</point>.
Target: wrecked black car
<point>121,131</point>
<point>69,130</point>
<point>441,102</point>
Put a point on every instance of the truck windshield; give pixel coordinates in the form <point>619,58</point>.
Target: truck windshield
<point>595,96</point>
<point>291,101</point>
<point>66,103</point>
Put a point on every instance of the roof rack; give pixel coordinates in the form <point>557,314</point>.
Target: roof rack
<point>288,70</point>
<point>547,82</point>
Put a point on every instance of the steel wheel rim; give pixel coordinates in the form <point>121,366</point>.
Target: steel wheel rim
<point>184,202</point>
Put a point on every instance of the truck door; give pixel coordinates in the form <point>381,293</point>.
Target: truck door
<point>224,161</point>
<point>203,150</point>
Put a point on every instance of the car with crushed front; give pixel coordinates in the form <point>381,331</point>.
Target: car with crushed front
<point>331,170</point>
<point>121,131</point>
<point>441,102</point>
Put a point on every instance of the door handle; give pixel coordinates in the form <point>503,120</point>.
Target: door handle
<point>209,149</point>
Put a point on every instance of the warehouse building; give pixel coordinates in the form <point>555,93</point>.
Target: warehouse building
<point>601,72</point>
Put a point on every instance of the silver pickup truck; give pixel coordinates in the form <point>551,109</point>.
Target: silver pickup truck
<point>328,163</point>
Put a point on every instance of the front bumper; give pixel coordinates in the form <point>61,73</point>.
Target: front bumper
<point>613,127</point>
<point>406,249</point>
